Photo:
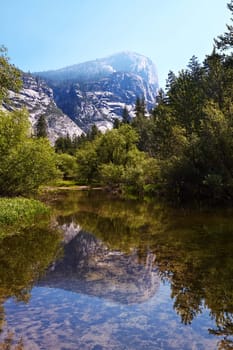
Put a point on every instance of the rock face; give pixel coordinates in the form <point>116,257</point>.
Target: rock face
<point>96,92</point>
<point>88,266</point>
<point>38,98</point>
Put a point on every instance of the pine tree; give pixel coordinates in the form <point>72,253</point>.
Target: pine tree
<point>41,127</point>
<point>93,133</point>
<point>225,41</point>
<point>161,97</point>
<point>140,107</point>
<point>116,123</point>
<point>171,78</point>
<point>125,116</point>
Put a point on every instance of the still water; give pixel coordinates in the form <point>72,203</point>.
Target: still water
<point>118,274</point>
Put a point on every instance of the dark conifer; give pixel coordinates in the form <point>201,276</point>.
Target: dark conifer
<point>116,123</point>
<point>225,41</point>
<point>41,127</point>
<point>125,116</point>
<point>140,107</point>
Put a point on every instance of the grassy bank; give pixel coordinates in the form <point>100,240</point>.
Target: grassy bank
<point>17,213</point>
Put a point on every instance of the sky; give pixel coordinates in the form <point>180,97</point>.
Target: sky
<point>49,34</point>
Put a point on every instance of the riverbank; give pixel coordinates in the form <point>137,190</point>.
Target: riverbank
<point>18,213</point>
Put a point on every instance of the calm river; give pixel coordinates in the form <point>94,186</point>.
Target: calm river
<point>115,274</point>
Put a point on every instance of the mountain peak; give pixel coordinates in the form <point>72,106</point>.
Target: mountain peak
<point>125,61</point>
<point>97,91</point>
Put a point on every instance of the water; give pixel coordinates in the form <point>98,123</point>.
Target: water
<point>115,274</point>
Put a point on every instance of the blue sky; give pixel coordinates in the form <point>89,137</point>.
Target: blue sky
<point>50,34</point>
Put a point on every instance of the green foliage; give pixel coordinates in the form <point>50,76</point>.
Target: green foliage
<point>31,165</point>
<point>111,174</point>
<point>114,145</point>
<point>190,132</point>
<point>201,166</point>
<point>125,116</point>
<point>182,150</point>
<point>93,133</point>
<point>14,129</point>
<point>64,144</point>
<point>140,108</point>
<point>116,123</point>
<point>140,170</point>
<point>87,161</point>
<point>41,127</point>
<point>16,213</point>
<point>225,41</point>
<point>185,95</point>
<point>144,128</point>
<point>10,77</point>
<point>67,164</point>
<point>113,159</point>
<point>26,163</point>
<point>25,257</point>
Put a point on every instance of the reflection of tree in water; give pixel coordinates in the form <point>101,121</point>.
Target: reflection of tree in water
<point>194,250</point>
<point>224,328</point>
<point>225,344</point>
<point>23,259</point>
<point>2,316</point>
<point>198,262</point>
<point>9,343</point>
<point>121,224</point>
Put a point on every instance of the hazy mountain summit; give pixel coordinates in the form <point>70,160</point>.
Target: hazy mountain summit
<point>126,61</point>
<point>95,92</point>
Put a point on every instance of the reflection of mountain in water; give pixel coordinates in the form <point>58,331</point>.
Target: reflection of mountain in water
<point>90,267</point>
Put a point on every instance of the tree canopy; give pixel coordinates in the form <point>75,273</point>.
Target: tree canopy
<point>26,163</point>
<point>9,75</point>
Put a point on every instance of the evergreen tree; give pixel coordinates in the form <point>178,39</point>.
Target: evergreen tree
<point>225,41</point>
<point>125,116</point>
<point>140,108</point>
<point>195,68</point>
<point>93,133</point>
<point>63,144</point>
<point>161,97</point>
<point>116,123</point>
<point>41,127</point>
<point>77,141</point>
<point>171,78</point>
<point>186,96</point>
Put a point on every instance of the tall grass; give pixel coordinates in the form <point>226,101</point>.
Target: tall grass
<point>20,212</point>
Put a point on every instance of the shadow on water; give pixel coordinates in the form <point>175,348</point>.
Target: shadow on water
<point>122,252</point>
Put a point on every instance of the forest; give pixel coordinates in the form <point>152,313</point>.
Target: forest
<point>181,151</point>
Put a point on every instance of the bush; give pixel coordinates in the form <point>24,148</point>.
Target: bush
<point>26,163</point>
